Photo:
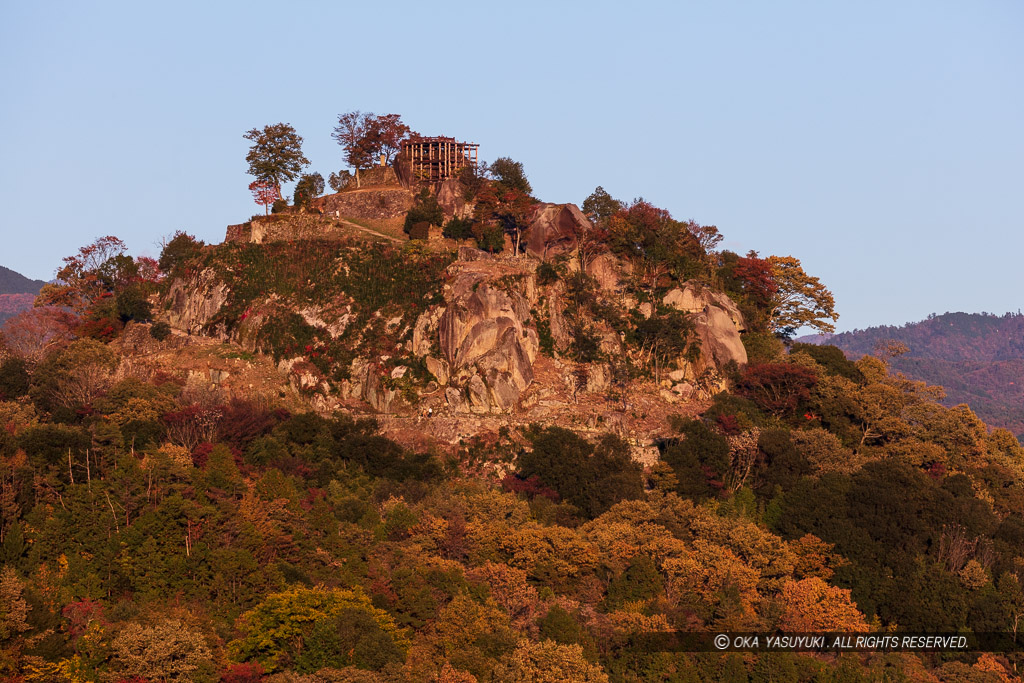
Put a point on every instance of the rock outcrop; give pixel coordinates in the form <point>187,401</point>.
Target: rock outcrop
<point>604,268</point>
<point>693,299</point>
<point>195,301</point>
<point>554,230</point>
<point>488,342</point>
<point>451,201</point>
<point>720,341</point>
<point>718,323</point>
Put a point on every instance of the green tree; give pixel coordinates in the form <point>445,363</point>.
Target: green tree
<point>490,238</point>
<point>831,359</point>
<point>591,477</point>
<point>699,459</point>
<point>562,627</point>
<point>276,154</point>
<point>424,213</point>
<point>178,251</point>
<point>337,624</point>
<point>13,378</point>
<point>640,581</point>
<point>510,175</point>
<point>310,186</point>
<point>458,229</point>
<point>600,206</point>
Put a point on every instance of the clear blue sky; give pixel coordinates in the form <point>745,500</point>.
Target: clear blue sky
<point>882,143</point>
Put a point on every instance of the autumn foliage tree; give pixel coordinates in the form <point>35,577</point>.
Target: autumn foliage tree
<point>655,242</point>
<point>811,605</point>
<point>364,137</point>
<point>777,388</point>
<point>707,236</point>
<point>756,278</point>
<point>264,193</point>
<point>85,277</point>
<point>799,300</point>
<point>34,333</point>
<point>505,210</point>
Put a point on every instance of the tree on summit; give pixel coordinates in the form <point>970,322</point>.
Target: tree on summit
<point>276,154</point>
<point>365,136</point>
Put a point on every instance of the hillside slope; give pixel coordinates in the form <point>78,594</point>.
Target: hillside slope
<point>344,459</point>
<point>977,357</point>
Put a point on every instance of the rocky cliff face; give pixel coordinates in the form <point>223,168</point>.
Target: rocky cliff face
<point>193,302</point>
<point>481,345</point>
<point>451,201</point>
<point>474,354</point>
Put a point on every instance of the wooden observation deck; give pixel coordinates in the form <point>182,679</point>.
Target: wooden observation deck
<point>438,158</point>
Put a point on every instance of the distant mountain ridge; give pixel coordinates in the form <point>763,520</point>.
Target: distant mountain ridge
<point>977,357</point>
<point>16,283</point>
<point>17,293</point>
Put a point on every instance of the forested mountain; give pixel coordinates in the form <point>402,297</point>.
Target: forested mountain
<point>531,450</point>
<point>16,283</point>
<point>977,357</point>
<point>17,292</point>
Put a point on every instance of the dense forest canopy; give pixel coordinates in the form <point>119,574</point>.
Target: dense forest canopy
<point>977,357</point>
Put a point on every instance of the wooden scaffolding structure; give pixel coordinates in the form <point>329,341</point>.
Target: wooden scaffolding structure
<point>438,158</point>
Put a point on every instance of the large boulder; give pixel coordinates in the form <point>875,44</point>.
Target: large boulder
<point>717,322</point>
<point>719,338</point>
<point>439,369</point>
<point>450,199</point>
<point>554,229</point>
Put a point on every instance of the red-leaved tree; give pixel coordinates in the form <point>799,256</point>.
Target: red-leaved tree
<point>777,388</point>
<point>756,278</point>
<point>387,133</point>
<point>34,333</point>
<point>365,136</point>
<point>263,193</point>
<point>88,275</point>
